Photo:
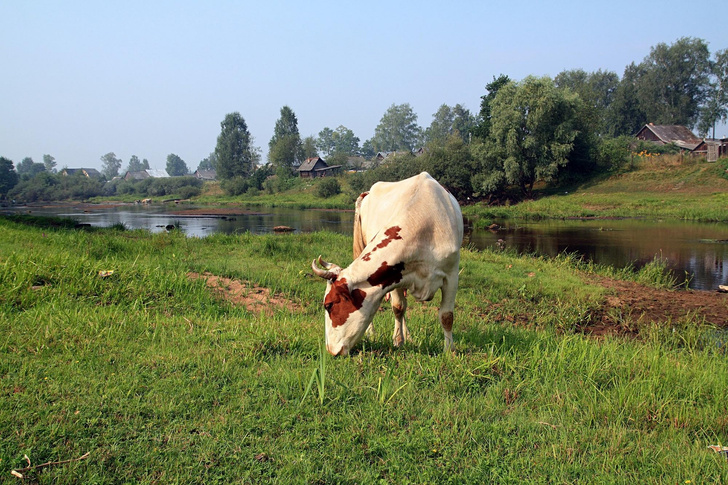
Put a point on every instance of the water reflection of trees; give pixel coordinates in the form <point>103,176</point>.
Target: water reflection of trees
<point>687,247</point>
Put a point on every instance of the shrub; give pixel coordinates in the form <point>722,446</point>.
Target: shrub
<point>328,187</point>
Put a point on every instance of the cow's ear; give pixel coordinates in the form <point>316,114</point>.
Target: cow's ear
<point>330,271</point>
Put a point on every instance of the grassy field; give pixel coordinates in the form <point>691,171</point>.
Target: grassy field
<point>117,367</point>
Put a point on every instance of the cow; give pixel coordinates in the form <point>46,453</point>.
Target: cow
<point>407,237</point>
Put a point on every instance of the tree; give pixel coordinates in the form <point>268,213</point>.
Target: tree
<point>8,176</point>
<point>176,167</point>
<point>50,163</point>
<point>452,164</point>
<point>482,129</point>
<point>28,169</point>
<point>325,141</point>
<point>463,122</point>
<point>674,81</point>
<point>285,149</point>
<point>532,132</point>
<point>448,121</point>
<point>397,130</point>
<point>596,90</point>
<point>110,165</point>
<point>441,127</point>
<point>208,163</point>
<point>135,165</point>
<point>308,146</point>
<point>716,104</point>
<point>234,153</point>
<point>625,115</point>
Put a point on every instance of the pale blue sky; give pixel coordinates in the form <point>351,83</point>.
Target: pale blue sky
<point>148,78</point>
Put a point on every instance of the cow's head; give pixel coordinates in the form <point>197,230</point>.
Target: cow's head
<point>348,311</point>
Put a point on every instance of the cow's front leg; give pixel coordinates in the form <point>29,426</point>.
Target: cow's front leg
<point>399,307</point>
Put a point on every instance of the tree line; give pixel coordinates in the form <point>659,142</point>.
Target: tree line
<point>535,129</point>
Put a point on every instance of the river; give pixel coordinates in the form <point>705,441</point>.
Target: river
<point>696,252</point>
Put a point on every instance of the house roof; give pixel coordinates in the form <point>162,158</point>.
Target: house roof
<point>157,173</point>
<point>310,164</point>
<point>677,134</point>
<point>141,175</point>
<point>88,172</point>
<point>206,174</point>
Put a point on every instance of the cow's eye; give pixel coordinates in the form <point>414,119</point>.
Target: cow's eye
<point>328,306</point>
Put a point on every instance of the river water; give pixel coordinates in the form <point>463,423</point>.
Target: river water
<point>696,252</point>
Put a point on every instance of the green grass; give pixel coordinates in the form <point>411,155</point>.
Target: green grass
<point>163,383</point>
<point>658,189</point>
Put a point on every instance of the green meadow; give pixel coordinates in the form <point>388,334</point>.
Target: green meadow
<point>117,367</point>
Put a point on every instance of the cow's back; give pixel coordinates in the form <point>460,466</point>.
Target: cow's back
<point>428,214</point>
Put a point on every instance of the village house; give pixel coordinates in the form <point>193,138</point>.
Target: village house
<point>91,173</point>
<point>145,174</point>
<point>683,138</point>
<point>317,167</point>
<point>206,175</point>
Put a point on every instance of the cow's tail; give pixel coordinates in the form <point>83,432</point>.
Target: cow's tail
<point>359,242</point>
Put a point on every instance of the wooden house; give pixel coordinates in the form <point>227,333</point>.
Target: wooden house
<point>669,134</point>
<point>91,173</point>
<point>317,167</point>
<point>206,174</point>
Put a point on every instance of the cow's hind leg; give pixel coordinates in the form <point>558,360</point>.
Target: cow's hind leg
<point>399,307</point>
<point>448,290</point>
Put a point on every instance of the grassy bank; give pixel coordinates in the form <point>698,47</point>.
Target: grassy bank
<point>658,187</point>
<point>160,381</point>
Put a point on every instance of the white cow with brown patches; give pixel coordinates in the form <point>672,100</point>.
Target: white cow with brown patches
<point>407,237</point>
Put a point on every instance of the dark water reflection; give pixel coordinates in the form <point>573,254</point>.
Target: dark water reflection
<point>694,249</point>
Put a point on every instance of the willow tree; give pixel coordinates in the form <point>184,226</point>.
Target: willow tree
<point>532,133</point>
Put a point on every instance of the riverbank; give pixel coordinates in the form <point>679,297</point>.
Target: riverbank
<point>115,350</point>
<point>659,188</point>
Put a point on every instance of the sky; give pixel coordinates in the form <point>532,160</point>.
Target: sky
<point>149,78</point>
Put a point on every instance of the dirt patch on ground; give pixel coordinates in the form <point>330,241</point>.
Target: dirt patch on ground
<point>629,305</point>
<point>255,299</point>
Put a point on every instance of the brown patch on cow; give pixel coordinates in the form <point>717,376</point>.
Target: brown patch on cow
<point>362,195</point>
<point>391,234</point>
<point>256,299</point>
<point>386,275</point>
<point>340,302</point>
<point>446,321</point>
<point>398,311</point>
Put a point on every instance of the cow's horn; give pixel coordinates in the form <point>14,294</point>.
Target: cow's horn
<point>331,272</point>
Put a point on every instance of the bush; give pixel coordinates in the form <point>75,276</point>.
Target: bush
<point>328,187</point>
<point>235,186</point>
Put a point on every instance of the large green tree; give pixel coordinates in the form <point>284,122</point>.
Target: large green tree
<point>482,129</point>
<point>674,81</point>
<point>397,130</point>
<point>532,132</point>
<point>176,167</point>
<point>235,154</point>
<point>341,142</point>
<point>596,90</point>
<point>8,176</point>
<point>285,149</point>
<point>110,165</point>
<point>625,115</point>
